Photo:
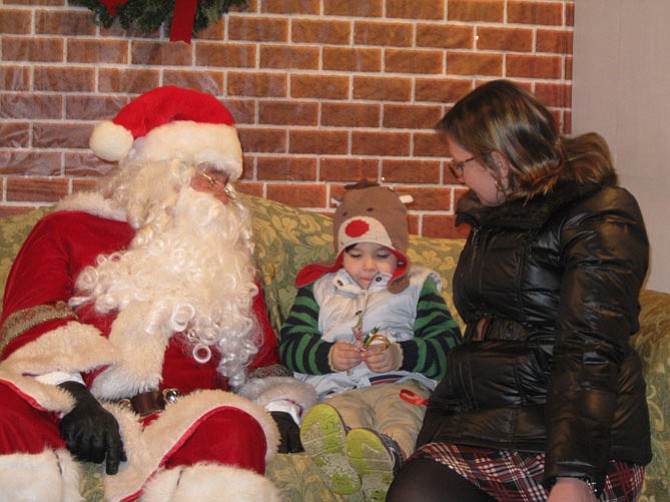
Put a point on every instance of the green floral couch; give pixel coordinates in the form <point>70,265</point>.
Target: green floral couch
<point>288,238</point>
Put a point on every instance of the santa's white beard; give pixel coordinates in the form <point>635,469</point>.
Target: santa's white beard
<point>192,263</point>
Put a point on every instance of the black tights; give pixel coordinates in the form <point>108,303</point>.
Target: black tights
<point>424,480</point>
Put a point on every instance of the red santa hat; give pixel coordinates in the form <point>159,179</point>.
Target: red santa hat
<point>171,123</point>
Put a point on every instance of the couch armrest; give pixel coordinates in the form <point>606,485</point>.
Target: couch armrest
<point>653,344</point>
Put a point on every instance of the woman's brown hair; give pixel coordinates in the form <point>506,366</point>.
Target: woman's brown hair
<point>503,117</point>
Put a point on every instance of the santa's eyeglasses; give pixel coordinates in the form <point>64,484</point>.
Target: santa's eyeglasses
<point>217,181</point>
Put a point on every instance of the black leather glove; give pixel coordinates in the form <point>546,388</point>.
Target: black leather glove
<point>90,431</point>
<point>289,433</point>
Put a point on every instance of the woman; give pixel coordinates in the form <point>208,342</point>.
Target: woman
<point>545,399</point>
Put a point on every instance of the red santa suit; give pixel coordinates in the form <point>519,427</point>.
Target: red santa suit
<point>207,442</point>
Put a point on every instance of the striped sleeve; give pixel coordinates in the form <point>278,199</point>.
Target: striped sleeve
<point>301,347</point>
<point>435,334</point>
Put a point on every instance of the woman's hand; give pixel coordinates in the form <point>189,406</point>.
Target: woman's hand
<point>571,490</point>
<point>344,356</point>
<point>382,359</point>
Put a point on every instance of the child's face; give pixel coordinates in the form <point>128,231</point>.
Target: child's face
<point>365,259</point>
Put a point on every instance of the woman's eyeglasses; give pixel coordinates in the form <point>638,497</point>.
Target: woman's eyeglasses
<point>457,167</point>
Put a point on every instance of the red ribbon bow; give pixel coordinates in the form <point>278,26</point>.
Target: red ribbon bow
<point>182,17</point>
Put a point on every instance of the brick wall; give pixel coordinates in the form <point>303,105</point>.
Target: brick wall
<point>323,91</point>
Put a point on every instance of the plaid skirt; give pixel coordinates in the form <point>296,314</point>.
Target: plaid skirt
<point>515,476</point>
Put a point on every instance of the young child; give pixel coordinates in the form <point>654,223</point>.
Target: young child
<point>361,331</point>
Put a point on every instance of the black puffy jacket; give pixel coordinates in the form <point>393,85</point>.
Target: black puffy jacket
<point>556,280</point>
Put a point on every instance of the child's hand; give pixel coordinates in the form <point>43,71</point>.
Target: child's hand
<point>344,356</point>
<point>382,359</point>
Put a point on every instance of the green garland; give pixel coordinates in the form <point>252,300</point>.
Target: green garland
<point>149,15</point>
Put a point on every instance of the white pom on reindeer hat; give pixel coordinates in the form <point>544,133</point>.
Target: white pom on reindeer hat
<point>169,123</point>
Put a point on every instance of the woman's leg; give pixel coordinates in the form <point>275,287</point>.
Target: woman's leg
<point>424,480</point>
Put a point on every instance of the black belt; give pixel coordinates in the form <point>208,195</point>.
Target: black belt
<point>146,403</point>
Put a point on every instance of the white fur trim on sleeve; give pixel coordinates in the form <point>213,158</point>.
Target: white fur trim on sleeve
<point>266,390</point>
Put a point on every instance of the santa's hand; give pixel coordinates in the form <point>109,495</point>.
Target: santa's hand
<point>343,356</point>
<point>289,432</point>
<point>382,359</point>
<point>91,432</point>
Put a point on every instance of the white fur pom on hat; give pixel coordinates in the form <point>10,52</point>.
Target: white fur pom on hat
<point>169,123</point>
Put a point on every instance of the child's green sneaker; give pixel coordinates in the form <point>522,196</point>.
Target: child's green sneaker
<point>376,458</point>
<point>322,434</point>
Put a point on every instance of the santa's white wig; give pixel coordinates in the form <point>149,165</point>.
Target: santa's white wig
<point>190,260</point>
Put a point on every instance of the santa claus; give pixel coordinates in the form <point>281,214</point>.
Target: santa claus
<point>133,330</point>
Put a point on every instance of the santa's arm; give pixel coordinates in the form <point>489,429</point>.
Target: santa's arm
<point>40,335</point>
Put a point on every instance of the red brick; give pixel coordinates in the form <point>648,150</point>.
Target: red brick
<point>557,95</point>
<point>382,88</point>
<point>31,106</point>
<point>262,140</point>
<point>61,135</point>
<point>567,64</point>
<point>558,41</point>
<point>350,114</point>
<point>319,142</point>
<point>30,162</point>
<point>242,110</point>
<point>380,143</point>
<point>288,113</point>
<point>32,49</point>
<point>298,194</point>
<point>536,13</point>
<point>443,226</point>
<point>441,90</point>
<point>15,78</point>
<point>249,188</point>
<point>348,169</point>
<point>431,198</point>
<point>319,86</point>
<point>14,134</point>
<point>534,66</point>
<point>447,36</point>
<point>383,34</point>
<point>490,11</point>
<point>128,80</point>
<point>461,63</point>
<point>257,84</point>
<point>566,123</point>
<point>304,7</point>
<point>36,189</point>
<point>429,144</point>
<point>160,53</point>
<point>434,9</point>
<point>505,39</point>
<point>85,184</point>
<point>94,107</point>
<point>64,79</point>
<point>226,56</point>
<point>352,59</point>
<point>368,8</point>
<point>207,81</point>
<point>213,31</point>
<point>66,23</point>
<point>86,164</point>
<point>258,29</point>
<point>411,171</point>
<point>286,168</point>
<point>279,56</point>
<point>327,31</point>
<point>93,51</point>
<point>424,62</point>
<point>14,21</point>
<point>411,116</point>
<point>570,13</point>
